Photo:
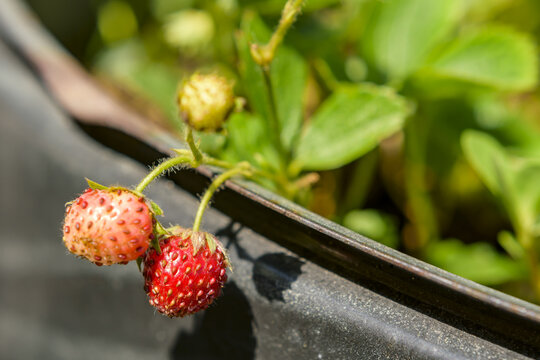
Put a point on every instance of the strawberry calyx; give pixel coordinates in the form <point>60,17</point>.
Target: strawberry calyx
<point>200,240</point>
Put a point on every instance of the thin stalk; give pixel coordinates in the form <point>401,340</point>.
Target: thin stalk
<point>242,168</point>
<point>274,121</point>
<point>158,170</point>
<point>207,160</point>
<point>263,55</point>
<point>197,155</point>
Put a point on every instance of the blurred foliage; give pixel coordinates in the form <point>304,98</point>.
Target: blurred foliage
<point>421,117</point>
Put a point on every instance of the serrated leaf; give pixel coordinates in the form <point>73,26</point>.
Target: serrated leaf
<point>94,185</point>
<point>155,208</point>
<point>479,262</point>
<point>288,77</point>
<point>401,33</point>
<point>348,124</point>
<point>496,57</point>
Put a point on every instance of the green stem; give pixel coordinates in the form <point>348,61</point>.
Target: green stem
<point>239,169</point>
<point>158,170</point>
<point>197,155</point>
<point>264,54</point>
<point>274,121</point>
<point>207,160</point>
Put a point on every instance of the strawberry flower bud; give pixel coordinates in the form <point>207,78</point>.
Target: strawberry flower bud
<point>205,101</point>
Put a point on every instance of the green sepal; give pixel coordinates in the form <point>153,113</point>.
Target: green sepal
<point>94,185</point>
<point>156,209</point>
<point>211,243</point>
<point>139,262</point>
<point>155,245</point>
<point>181,152</point>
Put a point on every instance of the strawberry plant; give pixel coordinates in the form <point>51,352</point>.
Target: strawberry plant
<point>184,269</point>
<point>413,122</point>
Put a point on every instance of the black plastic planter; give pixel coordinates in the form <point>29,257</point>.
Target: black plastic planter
<point>302,287</point>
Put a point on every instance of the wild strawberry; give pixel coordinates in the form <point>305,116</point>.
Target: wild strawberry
<point>205,101</point>
<point>108,226</point>
<point>188,274</point>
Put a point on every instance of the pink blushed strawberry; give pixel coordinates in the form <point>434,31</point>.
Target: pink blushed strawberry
<point>108,226</point>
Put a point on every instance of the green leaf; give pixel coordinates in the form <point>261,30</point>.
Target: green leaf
<point>351,122</point>
<point>211,143</point>
<point>288,77</point>
<point>373,224</point>
<point>479,262</point>
<point>248,141</point>
<point>401,33</point>
<point>488,159</point>
<point>495,57</point>
<point>95,185</point>
<point>155,208</point>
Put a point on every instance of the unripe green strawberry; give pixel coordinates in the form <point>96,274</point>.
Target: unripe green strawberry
<point>187,275</point>
<point>205,101</point>
<point>108,226</point>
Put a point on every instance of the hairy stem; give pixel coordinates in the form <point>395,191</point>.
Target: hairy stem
<point>241,168</point>
<point>164,166</point>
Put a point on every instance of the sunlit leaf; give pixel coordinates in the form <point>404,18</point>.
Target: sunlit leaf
<point>401,33</point>
<point>348,124</point>
<point>496,57</point>
<point>248,141</point>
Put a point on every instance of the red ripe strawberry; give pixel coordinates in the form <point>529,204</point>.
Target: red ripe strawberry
<point>108,226</point>
<point>188,274</point>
